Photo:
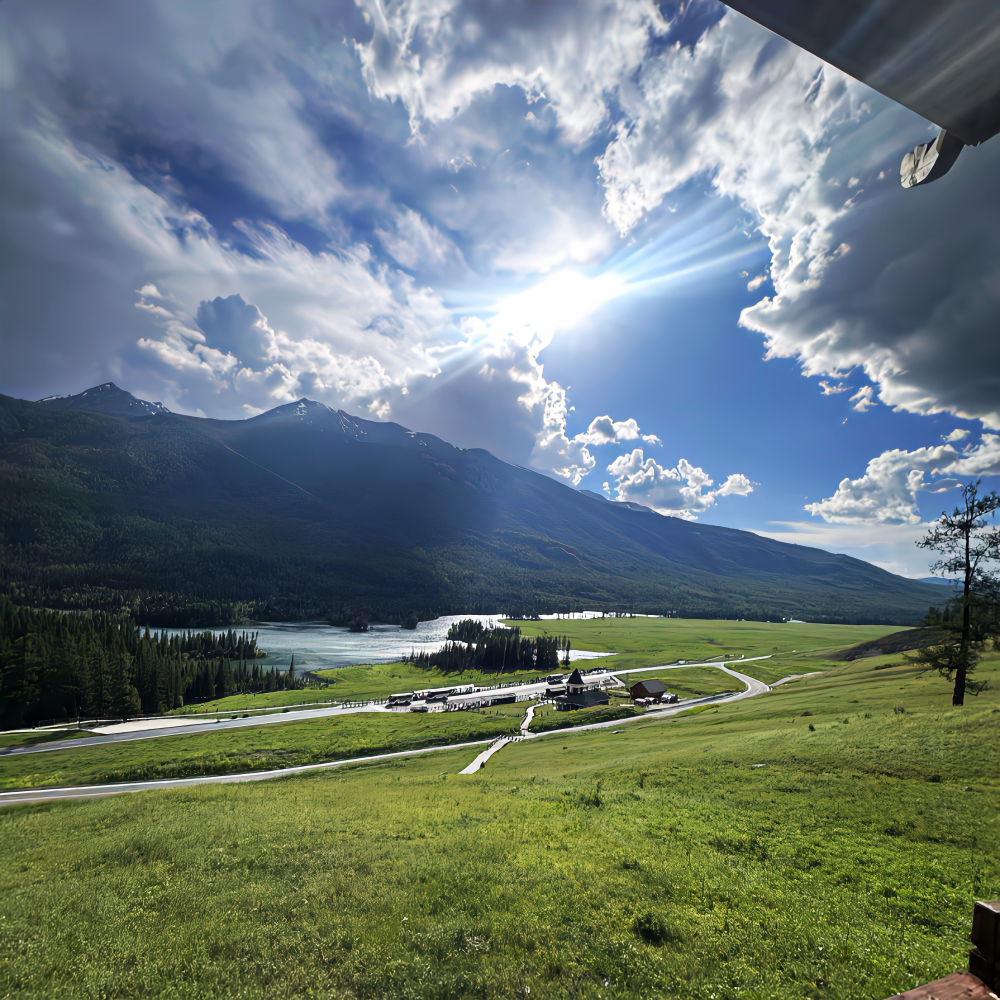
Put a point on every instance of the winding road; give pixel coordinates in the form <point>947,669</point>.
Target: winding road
<point>753,687</point>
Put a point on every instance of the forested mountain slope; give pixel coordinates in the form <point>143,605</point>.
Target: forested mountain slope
<point>304,511</point>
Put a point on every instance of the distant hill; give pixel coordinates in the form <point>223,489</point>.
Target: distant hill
<point>305,511</point>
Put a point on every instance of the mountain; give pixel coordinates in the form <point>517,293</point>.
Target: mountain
<point>306,511</point>
<point>939,580</point>
<point>107,398</point>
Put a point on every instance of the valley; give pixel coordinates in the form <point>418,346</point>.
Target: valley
<point>834,830</point>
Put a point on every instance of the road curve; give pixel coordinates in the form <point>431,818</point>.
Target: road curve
<point>753,687</point>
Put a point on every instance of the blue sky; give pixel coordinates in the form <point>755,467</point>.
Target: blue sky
<point>649,250</point>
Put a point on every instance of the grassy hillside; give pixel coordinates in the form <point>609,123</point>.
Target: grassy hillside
<point>825,840</point>
<point>304,511</point>
<point>646,642</point>
<point>278,745</point>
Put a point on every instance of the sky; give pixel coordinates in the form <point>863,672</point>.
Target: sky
<point>650,250</point>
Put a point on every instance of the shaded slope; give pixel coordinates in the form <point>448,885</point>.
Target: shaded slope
<point>305,510</point>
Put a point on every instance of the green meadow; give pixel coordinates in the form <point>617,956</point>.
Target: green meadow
<point>284,744</point>
<point>826,840</point>
<point>647,642</point>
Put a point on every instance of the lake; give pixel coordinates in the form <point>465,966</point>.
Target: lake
<point>316,644</point>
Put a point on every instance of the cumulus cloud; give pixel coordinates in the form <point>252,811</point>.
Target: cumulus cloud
<point>569,457</point>
<point>887,492</point>
<point>682,491</point>
<point>905,288</point>
<point>317,270</point>
<point>907,294</point>
<point>433,59</point>
<point>604,430</point>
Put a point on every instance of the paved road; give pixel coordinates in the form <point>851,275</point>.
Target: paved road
<point>100,791</point>
<point>753,687</point>
<point>188,728</point>
<point>528,716</point>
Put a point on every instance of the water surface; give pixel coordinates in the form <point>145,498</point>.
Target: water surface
<point>316,644</point>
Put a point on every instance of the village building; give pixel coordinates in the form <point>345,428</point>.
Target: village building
<point>652,692</point>
<point>579,693</point>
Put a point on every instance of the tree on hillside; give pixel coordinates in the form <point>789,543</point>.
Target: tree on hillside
<point>123,699</point>
<point>968,541</point>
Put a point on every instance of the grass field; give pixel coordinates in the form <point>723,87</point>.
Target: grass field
<point>285,744</point>
<point>826,840</point>
<point>644,642</point>
<point>380,680</point>
<point>692,682</point>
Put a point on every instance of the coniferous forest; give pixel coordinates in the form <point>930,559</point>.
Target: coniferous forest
<point>67,665</point>
<point>499,650</point>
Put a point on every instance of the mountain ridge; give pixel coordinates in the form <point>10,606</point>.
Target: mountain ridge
<point>108,399</point>
<point>305,511</point>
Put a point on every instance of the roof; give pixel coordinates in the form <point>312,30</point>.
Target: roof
<point>936,57</point>
<point>575,678</point>
<point>651,686</point>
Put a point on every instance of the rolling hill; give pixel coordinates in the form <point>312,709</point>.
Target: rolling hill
<point>305,511</point>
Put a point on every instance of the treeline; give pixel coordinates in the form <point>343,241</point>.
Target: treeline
<point>58,665</point>
<point>494,650</point>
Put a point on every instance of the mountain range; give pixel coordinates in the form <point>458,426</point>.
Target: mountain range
<point>305,511</point>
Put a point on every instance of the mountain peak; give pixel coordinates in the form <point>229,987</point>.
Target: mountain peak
<point>107,398</point>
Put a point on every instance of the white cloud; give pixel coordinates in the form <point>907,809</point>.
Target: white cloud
<point>887,492</point>
<point>906,289</point>
<point>430,56</point>
<point>829,389</point>
<point>416,244</point>
<point>958,434</point>
<point>757,120</point>
<point>721,110</point>
<point>862,399</point>
<point>568,458</point>
<point>681,491</point>
<point>234,87</point>
<point>604,430</point>
<point>736,485</point>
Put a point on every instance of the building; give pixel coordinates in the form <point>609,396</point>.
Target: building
<point>579,694</point>
<point>648,688</point>
<point>652,692</point>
